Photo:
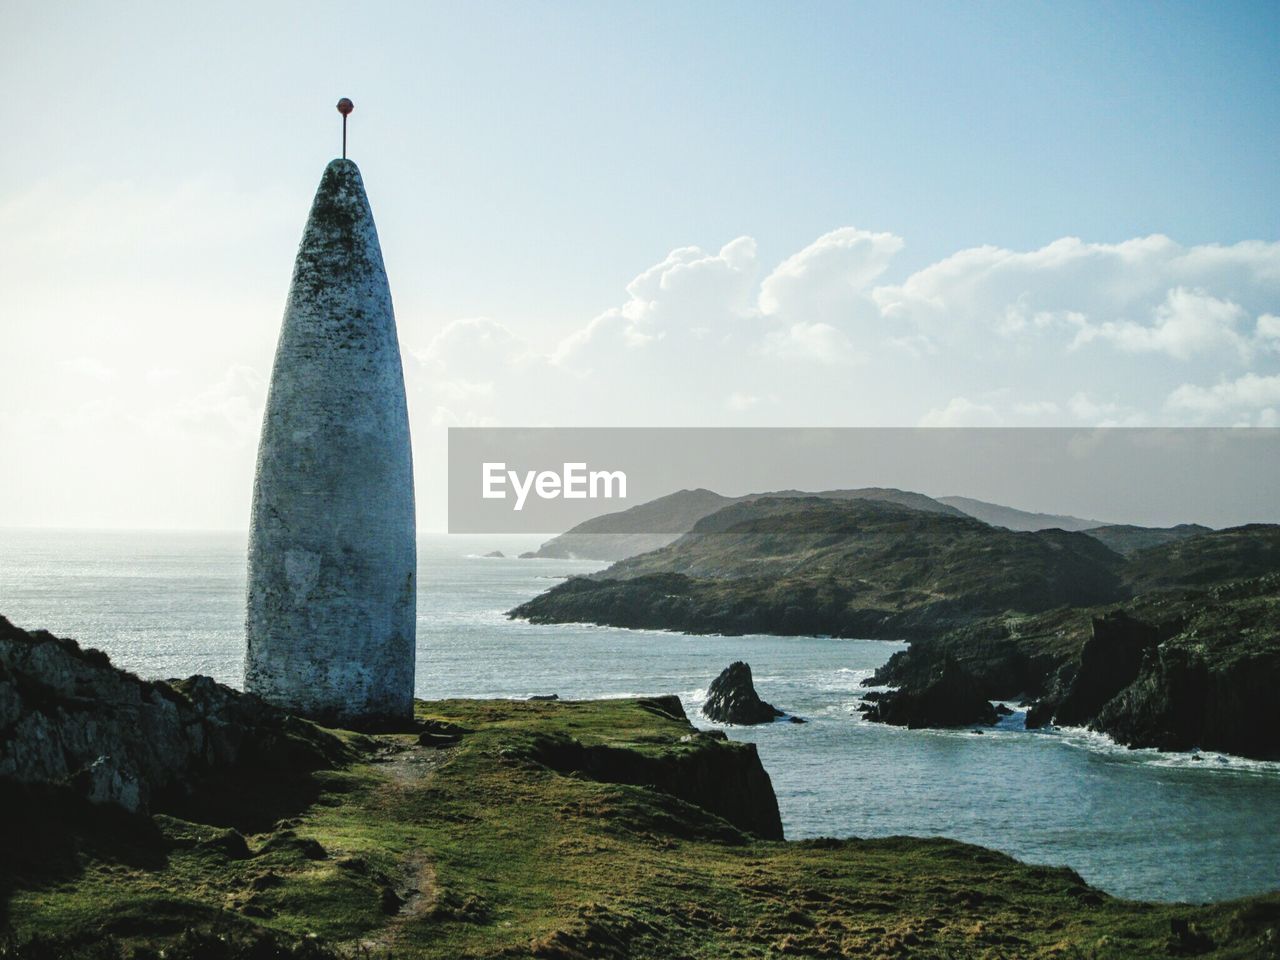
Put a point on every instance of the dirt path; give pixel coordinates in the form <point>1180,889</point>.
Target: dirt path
<point>413,890</point>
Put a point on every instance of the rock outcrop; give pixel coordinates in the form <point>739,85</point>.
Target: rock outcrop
<point>67,716</point>
<point>732,698</point>
<point>721,776</point>
<point>949,699</point>
<point>1186,696</point>
<point>1109,662</point>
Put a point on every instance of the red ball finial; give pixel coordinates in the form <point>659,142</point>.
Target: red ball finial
<point>345,106</point>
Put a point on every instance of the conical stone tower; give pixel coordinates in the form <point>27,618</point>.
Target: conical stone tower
<point>332,558</point>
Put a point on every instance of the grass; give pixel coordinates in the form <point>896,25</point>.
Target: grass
<point>482,850</point>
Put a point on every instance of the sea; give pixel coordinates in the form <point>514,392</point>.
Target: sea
<point>1136,823</point>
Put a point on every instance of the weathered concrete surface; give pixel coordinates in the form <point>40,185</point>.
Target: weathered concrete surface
<point>332,559</point>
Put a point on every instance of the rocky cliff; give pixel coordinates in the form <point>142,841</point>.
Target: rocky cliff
<point>68,716</point>
<point>707,770</point>
<point>1174,669</point>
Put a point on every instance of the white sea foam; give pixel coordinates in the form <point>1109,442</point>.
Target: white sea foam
<point>1083,738</point>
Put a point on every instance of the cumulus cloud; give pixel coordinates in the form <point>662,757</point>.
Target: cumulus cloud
<point>1146,294</point>
<point>688,297</point>
<point>831,279</point>
<point>961,412</point>
<point>1248,392</point>
<point>1070,333</point>
<point>1188,323</point>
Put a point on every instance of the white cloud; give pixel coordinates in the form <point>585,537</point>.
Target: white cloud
<point>1188,323</point>
<point>1036,408</point>
<point>689,297</point>
<point>831,279</point>
<point>1248,392</point>
<point>1268,332</point>
<point>1070,333</point>
<point>820,342</point>
<point>1143,295</point>
<point>961,412</point>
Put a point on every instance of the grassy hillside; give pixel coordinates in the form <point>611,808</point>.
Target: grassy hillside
<point>1216,557</point>
<point>1127,539</point>
<point>496,847</point>
<point>842,567</point>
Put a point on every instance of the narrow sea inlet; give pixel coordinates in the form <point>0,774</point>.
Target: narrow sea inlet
<point>1136,823</point>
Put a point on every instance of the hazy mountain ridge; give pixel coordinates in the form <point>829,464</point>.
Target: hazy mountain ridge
<point>999,515</point>
<point>657,523</point>
<point>648,526</point>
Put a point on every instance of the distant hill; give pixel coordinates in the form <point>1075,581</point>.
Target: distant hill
<point>1127,539</point>
<point>1013,519</point>
<point>1211,558</point>
<point>903,498</point>
<point>653,525</point>
<point>839,566</point>
<point>648,526</point>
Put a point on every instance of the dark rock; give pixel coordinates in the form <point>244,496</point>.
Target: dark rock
<point>1040,714</point>
<point>545,696</point>
<point>1183,700</point>
<point>496,554</point>
<point>1109,662</point>
<point>732,698</point>
<point>1003,711</point>
<point>428,739</point>
<point>442,728</point>
<point>440,733</point>
<point>391,901</point>
<point>265,881</point>
<point>794,719</point>
<point>722,777</point>
<point>1186,939</point>
<point>67,716</point>
<point>949,699</point>
<point>230,843</point>
<point>288,842</point>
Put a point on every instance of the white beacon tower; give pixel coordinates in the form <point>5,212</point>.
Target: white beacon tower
<point>331,611</point>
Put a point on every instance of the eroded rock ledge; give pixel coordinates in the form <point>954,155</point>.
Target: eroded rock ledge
<point>68,716</point>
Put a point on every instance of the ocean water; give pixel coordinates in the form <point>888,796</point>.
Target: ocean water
<point>1135,823</point>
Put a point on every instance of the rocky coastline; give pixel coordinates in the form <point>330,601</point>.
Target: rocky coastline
<point>485,829</point>
<point>1172,643</point>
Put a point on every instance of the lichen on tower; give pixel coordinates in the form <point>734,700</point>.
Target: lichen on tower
<point>331,612</point>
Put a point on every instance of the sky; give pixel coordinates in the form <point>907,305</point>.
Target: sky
<point>608,214</point>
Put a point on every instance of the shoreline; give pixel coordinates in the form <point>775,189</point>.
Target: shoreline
<point>595,828</point>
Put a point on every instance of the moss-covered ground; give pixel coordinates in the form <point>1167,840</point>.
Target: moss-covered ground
<point>480,850</point>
